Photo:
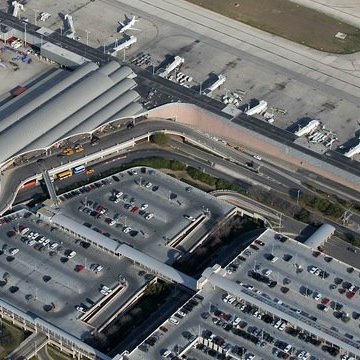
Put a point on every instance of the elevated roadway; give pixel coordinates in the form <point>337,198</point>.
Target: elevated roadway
<point>141,130</point>
<point>29,347</point>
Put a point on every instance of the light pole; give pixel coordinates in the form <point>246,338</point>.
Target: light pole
<point>36,16</point>
<point>153,68</point>
<point>280,221</point>
<point>87,37</point>
<point>297,198</point>
<point>25,34</point>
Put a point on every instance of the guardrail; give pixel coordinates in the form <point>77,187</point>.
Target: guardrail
<point>97,309</point>
<point>183,234</point>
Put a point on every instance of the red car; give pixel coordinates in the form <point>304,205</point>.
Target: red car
<point>163,328</point>
<point>254,247</point>
<point>325,301</point>
<point>79,267</point>
<point>350,294</point>
<point>135,209</point>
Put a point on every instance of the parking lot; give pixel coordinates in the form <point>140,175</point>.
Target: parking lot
<point>306,280</point>
<point>292,279</point>
<point>147,210</point>
<point>55,276</point>
<point>215,329</point>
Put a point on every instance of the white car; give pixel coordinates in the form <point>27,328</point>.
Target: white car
<point>267,272</point>
<point>257,157</point>
<point>127,229</point>
<point>282,326</point>
<point>188,217</point>
<point>227,298</point>
<point>105,290</point>
<point>81,309</point>
<point>148,185</point>
<point>301,354</point>
<point>71,254</point>
<point>31,242</point>
<point>144,206</point>
<point>46,242</point>
<point>42,239</point>
<point>117,200</point>
<point>236,321</point>
<point>35,236</point>
<point>120,193</point>
<point>313,269</point>
<point>277,324</point>
<point>96,267</point>
<point>173,320</point>
<point>112,222</point>
<point>13,251</point>
<point>54,245</point>
<point>149,216</point>
<point>317,296</point>
<point>181,313</point>
<point>166,353</point>
<point>249,356</point>
<point>24,231</point>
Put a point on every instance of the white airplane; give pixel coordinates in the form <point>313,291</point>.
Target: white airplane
<point>128,24</point>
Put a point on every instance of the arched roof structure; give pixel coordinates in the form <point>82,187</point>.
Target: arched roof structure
<point>322,234</point>
<point>65,104</point>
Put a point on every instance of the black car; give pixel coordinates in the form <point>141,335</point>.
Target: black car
<point>272,284</point>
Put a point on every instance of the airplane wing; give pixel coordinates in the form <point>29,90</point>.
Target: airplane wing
<point>122,24</point>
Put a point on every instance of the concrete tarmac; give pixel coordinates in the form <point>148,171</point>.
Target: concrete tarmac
<point>337,74</point>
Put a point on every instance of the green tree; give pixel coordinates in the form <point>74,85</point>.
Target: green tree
<point>159,139</point>
<point>303,215</point>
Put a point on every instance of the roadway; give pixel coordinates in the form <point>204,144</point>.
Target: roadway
<point>288,225</point>
<point>271,176</point>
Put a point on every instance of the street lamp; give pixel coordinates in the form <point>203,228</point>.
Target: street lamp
<point>36,16</point>
<point>87,37</point>
<point>297,198</point>
<point>25,23</point>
